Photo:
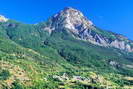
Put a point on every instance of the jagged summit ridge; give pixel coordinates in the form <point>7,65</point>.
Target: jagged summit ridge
<point>82,28</point>
<point>3,18</point>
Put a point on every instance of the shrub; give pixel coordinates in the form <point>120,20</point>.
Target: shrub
<point>4,74</point>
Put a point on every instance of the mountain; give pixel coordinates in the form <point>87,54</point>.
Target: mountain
<point>66,51</point>
<point>84,29</point>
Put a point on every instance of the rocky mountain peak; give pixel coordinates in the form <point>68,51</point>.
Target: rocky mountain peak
<point>75,22</point>
<point>3,18</point>
<point>72,19</point>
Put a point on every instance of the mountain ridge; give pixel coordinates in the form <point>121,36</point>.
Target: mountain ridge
<point>84,29</point>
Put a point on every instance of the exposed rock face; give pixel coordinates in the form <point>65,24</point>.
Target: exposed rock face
<point>3,19</point>
<point>73,20</point>
<point>82,28</point>
<point>121,45</point>
<point>114,64</point>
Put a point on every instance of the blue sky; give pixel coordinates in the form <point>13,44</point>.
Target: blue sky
<point>113,15</point>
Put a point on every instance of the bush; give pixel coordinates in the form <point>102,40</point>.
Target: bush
<point>4,74</point>
<point>16,85</point>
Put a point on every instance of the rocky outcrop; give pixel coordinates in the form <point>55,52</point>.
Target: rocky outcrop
<point>3,19</point>
<point>114,64</point>
<point>121,45</point>
<point>82,28</point>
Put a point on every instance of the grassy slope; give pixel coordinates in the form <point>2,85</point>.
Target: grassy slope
<point>40,56</point>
